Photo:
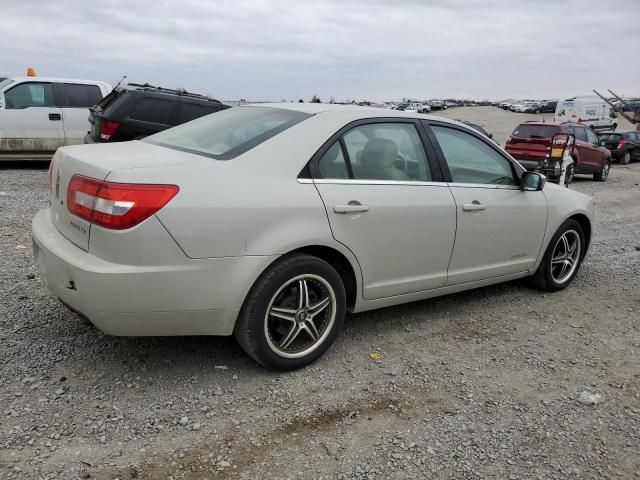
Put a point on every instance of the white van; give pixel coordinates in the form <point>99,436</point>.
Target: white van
<point>40,114</point>
<point>588,110</point>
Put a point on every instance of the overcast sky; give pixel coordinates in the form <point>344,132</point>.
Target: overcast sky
<point>348,49</point>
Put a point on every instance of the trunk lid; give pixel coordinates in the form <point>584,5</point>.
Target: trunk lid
<point>97,161</point>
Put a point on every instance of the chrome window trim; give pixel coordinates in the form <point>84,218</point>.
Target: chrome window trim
<point>346,181</point>
<point>483,185</point>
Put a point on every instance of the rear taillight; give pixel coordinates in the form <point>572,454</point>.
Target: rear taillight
<point>108,128</point>
<point>116,205</point>
<point>622,143</point>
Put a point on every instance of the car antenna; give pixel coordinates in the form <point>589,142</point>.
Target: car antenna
<point>121,80</point>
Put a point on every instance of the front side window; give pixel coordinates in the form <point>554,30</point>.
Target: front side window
<point>152,110</point>
<point>378,151</point>
<point>191,111</point>
<point>470,160</point>
<point>26,95</point>
<point>82,96</point>
<point>228,133</point>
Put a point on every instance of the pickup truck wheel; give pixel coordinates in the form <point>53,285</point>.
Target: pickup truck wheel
<point>626,158</point>
<point>562,259</point>
<point>602,175</point>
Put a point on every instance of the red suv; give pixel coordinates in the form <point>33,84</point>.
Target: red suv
<point>530,144</point>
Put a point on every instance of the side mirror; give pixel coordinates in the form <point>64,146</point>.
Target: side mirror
<point>532,181</point>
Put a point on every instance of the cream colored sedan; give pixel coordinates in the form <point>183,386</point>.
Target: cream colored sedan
<point>271,222</point>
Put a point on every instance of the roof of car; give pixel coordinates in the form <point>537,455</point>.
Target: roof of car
<point>59,80</point>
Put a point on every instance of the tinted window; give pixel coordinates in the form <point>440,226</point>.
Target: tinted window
<point>82,96</point>
<point>230,132</point>
<point>470,160</point>
<point>333,164</point>
<point>535,131</point>
<point>386,151</point>
<point>29,95</point>
<point>580,133</point>
<point>154,110</point>
<point>591,137</point>
<point>610,137</point>
<point>191,111</point>
<point>634,136</point>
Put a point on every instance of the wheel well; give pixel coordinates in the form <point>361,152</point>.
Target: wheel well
<point>586,227</point>
<point>338,261</point>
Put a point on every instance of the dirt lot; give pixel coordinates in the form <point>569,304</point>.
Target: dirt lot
<point>482,384</point>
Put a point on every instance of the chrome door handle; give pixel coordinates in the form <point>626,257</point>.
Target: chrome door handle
<point>351,207</point>
<point>473,206</point>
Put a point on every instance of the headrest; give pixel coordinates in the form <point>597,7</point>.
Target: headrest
<point>379,153</point>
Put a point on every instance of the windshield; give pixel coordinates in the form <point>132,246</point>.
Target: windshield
<point>535,131</point>
<point>5,82</point>
<point>227,134</point>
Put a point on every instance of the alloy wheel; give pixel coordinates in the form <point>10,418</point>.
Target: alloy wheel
<point>300,316</point>
<point>565,257</point>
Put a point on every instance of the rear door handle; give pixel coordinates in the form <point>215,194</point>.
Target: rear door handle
<point>55,116</point>
<point>473,206</point>
<point>351,207</point>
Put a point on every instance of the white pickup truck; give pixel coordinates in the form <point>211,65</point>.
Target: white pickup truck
<point>40,114</point>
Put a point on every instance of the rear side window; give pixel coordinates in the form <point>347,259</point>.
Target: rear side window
<point>535,131</point>
<point>153,110</point>
<point>32,94</point>
<point>228,133</point>
<point>191,111</point>
<point>82,96</point>
<point>580,133</point>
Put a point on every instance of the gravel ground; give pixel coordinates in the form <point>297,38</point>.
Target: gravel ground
<point>482,384</point>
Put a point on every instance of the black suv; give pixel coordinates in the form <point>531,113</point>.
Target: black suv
<point>135,111</point>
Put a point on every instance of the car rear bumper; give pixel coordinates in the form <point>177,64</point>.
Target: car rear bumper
<point>197,297</point>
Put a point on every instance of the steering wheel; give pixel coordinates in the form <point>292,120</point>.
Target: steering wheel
<point>401,163</point>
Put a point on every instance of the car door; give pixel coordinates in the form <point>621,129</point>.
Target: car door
<point>500,228</point>
<point>596,154</point>
<point>379,188</point>
<point>30,121</point>
<point>75,111</point>
<point>585,154</point>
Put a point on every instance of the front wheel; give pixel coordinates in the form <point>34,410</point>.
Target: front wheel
<point>568,176</point>
<point>293,313</point>
<point>602,175</point>
<point>562,258</point>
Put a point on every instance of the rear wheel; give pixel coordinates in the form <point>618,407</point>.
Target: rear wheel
<point>562,258</point>
<point>625,159</point>
<point>293,313</point>
<point>602,175</point>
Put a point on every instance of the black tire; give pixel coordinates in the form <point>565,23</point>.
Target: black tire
<point>568,176</point>
<point>253,322</point>
<point>544,278</point>
<point>625,159</point>
<point>603,174</point>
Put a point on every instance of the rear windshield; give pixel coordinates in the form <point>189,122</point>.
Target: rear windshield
<point>535,131</point>
<point>106,101</point>
<point>610,137</point>
<point>227,134</point>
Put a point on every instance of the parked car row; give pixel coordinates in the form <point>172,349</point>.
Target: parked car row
<point>529,106</point>
<point>40,114</point>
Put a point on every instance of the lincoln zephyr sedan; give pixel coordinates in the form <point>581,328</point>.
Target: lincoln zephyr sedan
<point>271,222</point>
